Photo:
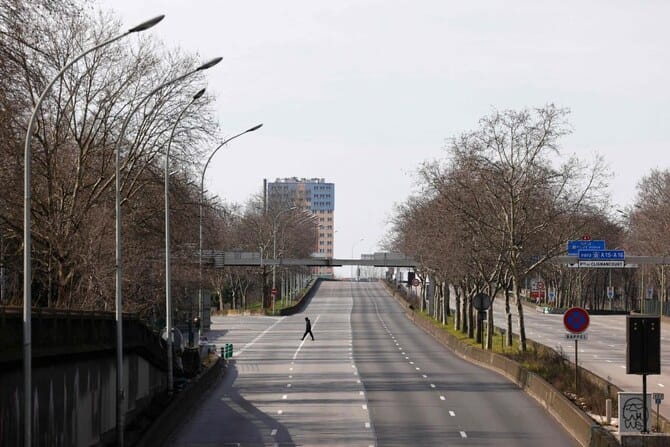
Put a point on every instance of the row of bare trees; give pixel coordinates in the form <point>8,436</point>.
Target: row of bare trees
<point>73,164</point>
<point>496,209</point>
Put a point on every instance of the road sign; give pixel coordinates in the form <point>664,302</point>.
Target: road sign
<point>650,293</point>
<point>658,397</point>
<point>604,255</point>
<point>610,292</point>
<point>481,301</point>
<point>416,282</point>
<point>580,336</point>
<point>602,264</point>
<point>273,292</point>
<point>575,246</point>
<point>576,320</point>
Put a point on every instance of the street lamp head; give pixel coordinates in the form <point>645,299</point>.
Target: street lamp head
<point>209,64</point>
<point>256,127</point>
<point>199,94</point>
<point>146,25</point>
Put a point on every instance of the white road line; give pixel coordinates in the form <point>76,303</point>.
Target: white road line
<point>367,425</point>
<point>365,407</point>
<point>425,376</point>
<point>464,435</point>
<point>417,368</point>
<point>361,393</point>
<point>451,413</point>
<point>285,396</point>
<point>432,385</point>
<point>251,343</point>
<point>273,432</point>
<point>280,411</point>
<point>288,386</point>
<point>290,377</point>
<point>411,363</point>
<point>442,397</point>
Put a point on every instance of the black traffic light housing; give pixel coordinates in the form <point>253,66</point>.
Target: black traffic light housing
<point>196,322</point>
<point>643,345</point>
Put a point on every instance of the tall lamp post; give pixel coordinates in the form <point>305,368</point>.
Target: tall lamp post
<point>202,193</point>
<point>27,272</point>
<point>274,249</point>
<point>168,288</point>
<point>119,261</point>
<point>352,256</point>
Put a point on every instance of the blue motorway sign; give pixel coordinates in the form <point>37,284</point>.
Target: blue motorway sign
<point>605,255</point>
<point>575,246</point>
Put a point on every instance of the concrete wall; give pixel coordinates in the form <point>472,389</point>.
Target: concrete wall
<point>74,403</point>
<point>74,376</point>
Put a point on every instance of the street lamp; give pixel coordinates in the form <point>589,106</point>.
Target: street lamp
<point>27,272</point>
<point>168,289</point>
<point>274,250</point>
<point>119,261</point>
<point>352,256</point>
<point>202,193</point>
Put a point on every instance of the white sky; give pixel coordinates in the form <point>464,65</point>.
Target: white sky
<point>360,92</point>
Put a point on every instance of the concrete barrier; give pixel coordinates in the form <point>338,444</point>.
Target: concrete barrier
<point>173,416</point>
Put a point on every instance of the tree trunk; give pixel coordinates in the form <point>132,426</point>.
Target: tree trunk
<point>508,313</point>
<point>519,308</point>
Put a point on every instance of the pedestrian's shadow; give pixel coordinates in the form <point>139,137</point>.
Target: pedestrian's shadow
<point>247,424</point>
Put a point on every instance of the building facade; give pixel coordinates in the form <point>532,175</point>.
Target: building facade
<point>317,196</point>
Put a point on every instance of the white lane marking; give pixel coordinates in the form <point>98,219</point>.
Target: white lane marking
<point>288,386</point>
<point>608,361</point>
<point>290,369</point>
<point>464,435</point>
<point>367,425</point>
<point>280,411</point>
<point>284,396</point>
<point>273,432</point>
<point>365,407</point>
<point>403,353</point>
<point>425,376</point>
<point>411,363</point>
<point>451,413</point>
<point>417,368</point>
<point>251,343</point>
<point>358,381</point>
<point>432,385</point>
<point>406,358</point>
<point>442,398</point>
<point>361,393</point>
<point>304,340</point>
<point>290,377</point>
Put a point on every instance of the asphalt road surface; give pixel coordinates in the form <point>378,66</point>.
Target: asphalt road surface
<point>371,378</point>
<point>604,353</point>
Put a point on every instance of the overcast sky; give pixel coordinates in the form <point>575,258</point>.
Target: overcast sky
<point>360,92</point>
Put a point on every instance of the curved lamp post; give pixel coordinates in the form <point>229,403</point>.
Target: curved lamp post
<point>27,272</point>
<point>352,256</point>
<point>274,249</point>
<point>202,193</point>
<point>168,288</point>
<point>119,262</point>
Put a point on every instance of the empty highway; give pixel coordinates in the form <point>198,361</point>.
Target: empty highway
<point>371,378</point>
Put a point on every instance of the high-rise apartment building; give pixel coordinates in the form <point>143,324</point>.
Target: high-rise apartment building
<point>317,196</point>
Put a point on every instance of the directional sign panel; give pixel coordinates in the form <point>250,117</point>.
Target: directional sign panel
<point>613,255</point>
<point>576,320</point>
<point>602,264</point>
<point>575,246</point>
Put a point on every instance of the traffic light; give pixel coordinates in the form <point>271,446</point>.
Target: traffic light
<point>227,351</point>
<point>196,322</point>
<point>643,345</point>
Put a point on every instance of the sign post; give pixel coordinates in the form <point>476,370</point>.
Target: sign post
<point>481,302</point>
<point>576,321</point>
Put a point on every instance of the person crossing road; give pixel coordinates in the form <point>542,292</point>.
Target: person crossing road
<point>308,329</point>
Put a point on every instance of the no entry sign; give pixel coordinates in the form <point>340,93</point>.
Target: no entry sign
<point>576,320</point>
